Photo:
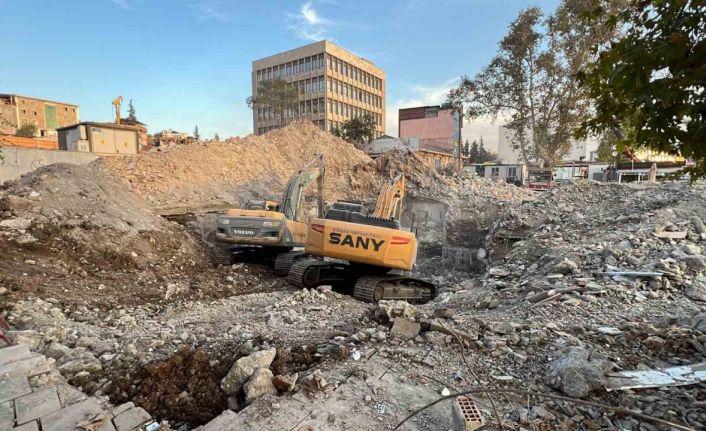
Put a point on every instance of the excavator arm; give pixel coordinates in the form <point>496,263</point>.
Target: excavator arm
<point>389,203</point>
<point>291,200</point>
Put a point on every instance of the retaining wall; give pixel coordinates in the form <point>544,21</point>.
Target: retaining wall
<point>19,161</point>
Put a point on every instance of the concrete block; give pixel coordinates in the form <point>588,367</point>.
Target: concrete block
<point>29,426</point>
<point>13,386</point>
<point>37,404</point>
<point>7,415</point>
<point>403,328</point>
<point>68,418</point>
<point>131,418</point>
<point>28,367</point>
<point>122,407</point>
<point>14,354</point>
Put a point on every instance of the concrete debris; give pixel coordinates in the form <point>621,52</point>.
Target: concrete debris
<point>244,368</point>
<point>390,310</point>
<point>577,372</point>
<point>697,289</point>
<point>672,376</point>
<point>403,328</point>
<point>259,384</point>
<point>285,383</point>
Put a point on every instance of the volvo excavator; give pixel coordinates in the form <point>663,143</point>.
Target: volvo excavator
<point>274,228</point>
<point>366,255</point>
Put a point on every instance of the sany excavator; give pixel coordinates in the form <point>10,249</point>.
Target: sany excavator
<point>362,253</point>
<point>275,228</point>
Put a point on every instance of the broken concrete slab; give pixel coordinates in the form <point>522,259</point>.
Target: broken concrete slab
<point>13,386</point>
<point>260,383</point>
<point>671,235</point>
<point>131,419</point>
<point>577,372</point>
<point>29,426</point>
<point>67,419</point>
<point>405,329</point>
<point>37,404</point>
<point>697,289</point>
<point>672,376</point>
<point>27,367</point>
<point>7,415</point>
<point>13,354</point>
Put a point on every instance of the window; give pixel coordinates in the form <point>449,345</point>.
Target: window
<point>308,64</point>
<point>34,113</point>
<point>512,172</point>
<point>314,85</point>
<point>315,107</point>
<point>494,172</point>
<point>289,69</point>
<point>321,84</point>
<point>24,111</point>
<point>295,68</point>
<point>308,86</point>
<point>321,61</point>
<point>328,61</point>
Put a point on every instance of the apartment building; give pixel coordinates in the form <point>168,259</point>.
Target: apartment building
<point>16,111</point>
<point>334,86</point>
<point>437,128</point>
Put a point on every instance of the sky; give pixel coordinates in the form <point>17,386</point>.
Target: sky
<point>187,63</point>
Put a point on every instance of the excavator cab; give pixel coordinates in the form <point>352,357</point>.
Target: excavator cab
<point>268,226</point>
<point>364,254</point>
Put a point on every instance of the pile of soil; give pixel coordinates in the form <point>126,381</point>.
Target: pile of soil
<point>253,167</point>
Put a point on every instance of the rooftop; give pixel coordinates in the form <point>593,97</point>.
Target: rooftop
<point>323,44</point>
<point>97,124</point>
<point>36,98</point>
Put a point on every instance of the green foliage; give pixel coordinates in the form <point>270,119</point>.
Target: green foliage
<point>530,82</point>
<point>651,78</point>
<point>276,94</point>
<point>356,130</point>
<point>478,154</point>
<point>197,135</point>
<point>27,131</point>
<point>216,137</point>
<point>131,112</point>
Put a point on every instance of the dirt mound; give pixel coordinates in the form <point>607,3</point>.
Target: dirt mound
<point>238,168</point>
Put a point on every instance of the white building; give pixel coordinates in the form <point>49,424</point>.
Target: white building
<point>580,150</point>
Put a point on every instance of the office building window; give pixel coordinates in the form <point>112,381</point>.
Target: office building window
<point>328,61</point>
<point>295,68</point>
<point>289,69</point>
<point>308,64</point>
<point>321,61</point>
<point>314,85</point>
<point>321,84</point>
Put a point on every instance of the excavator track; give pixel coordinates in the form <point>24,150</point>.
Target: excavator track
<point>375,288</point>
<point>284,262</point>
<point>298,274</point>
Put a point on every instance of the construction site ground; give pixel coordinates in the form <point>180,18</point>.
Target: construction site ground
<point>538,293</point>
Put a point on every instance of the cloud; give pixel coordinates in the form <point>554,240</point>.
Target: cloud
<point>308,24</point>
<point>206,11</point>
<point>419,96</point>
<point>125,4</point>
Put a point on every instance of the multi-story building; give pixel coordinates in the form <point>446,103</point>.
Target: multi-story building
<point>334,86</point>
<point>581,150</point>
<point>436,128</point>
<point>17,111</point>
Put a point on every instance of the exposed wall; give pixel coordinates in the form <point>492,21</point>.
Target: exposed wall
<point>19,161</point>
<point>437,133</point>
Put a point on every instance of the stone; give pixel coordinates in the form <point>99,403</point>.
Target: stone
<point>131,419</point>
<point>260,383</point>
<point>87,362</point>
<point>122,407</point>
<point>244,367</point>
<point>498,272</point>
<point>68,418</point>
<point>542,413</point>
<point>403,328</point>
<point>13,386</point>
<point>56,350</point>
<point>691,249</point>
<point>16,223</point>
<point>565,267</point>
<point>654,342</point>
<point>285,383</point>
<point>696,263</point>
<point>609,330</point>
<point>444,313</point>
<point>577,372</point>
<point>27,367</point>
<point>671,235</point>
<point>391,309</point>
<point>233,404</point>
<point>29,338</point>
<point>697,289</point>
<point>698,224</point>
<point>698,322</point>
<point>37,404</point>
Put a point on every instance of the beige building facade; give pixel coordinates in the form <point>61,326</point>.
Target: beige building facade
<point>334,86</point>
<point>17,111</point>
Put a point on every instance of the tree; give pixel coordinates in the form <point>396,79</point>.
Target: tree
<point>131,112</point>
<point>356,130</point>
<point>651,78</point>
<point>28,130</point>
<point>275,95</point>
<point>197,136</point>
<point>530,82</point>
<point>216,137</point>
<point>485,155</point>
<point>466,149</point>
<point>473,153</point>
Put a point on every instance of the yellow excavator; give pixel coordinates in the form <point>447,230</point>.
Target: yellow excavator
<point>275,228</point>
<point>366,255</point>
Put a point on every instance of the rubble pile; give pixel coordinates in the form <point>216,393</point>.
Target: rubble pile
<point>240,168</point>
